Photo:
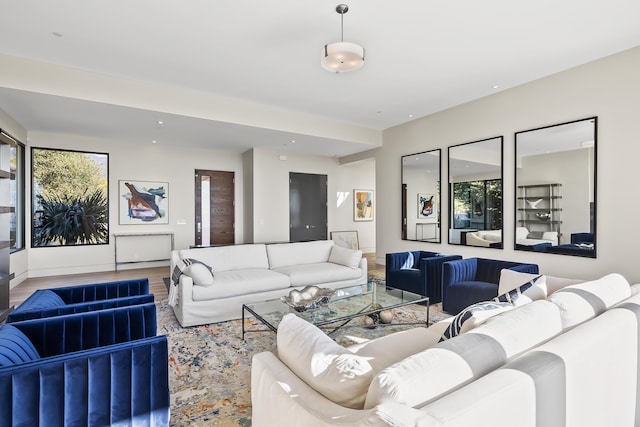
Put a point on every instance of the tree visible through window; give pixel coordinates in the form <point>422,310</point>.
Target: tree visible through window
<point>70,198</point>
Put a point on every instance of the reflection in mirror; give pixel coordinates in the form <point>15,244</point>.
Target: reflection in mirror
<point>421,196</point>
<point>475,193</point>
<point>555,189</point>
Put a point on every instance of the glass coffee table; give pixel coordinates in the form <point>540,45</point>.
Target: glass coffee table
<point>345,305</point>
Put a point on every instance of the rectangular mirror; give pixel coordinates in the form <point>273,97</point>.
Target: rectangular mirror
<point>556,189</point>
<point>421,196</point>
<point>475,193</point>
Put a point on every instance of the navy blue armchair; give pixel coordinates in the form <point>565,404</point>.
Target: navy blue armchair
<point>82,298</point>
<point>419,272</point>
<point>99,368</point>
<point>471,280</point>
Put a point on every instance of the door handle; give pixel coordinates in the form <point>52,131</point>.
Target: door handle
<point>199,227</point>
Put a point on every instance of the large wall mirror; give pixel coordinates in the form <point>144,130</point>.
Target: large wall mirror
<point>421,196</point>
<point>475,193</point>
<point>556,189</point>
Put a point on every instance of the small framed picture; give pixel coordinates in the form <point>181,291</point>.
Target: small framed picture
<point>363,205</point>
<point>346,239</point>
<point>427,205</point>
<point>143,202</point>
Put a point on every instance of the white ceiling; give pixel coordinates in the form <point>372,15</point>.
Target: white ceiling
<point>421,57</point>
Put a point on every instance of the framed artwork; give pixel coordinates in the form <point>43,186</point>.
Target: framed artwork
<point>143,202</point>
<point>363,205</point>
<point>346,239</point>
<point>427,205</point>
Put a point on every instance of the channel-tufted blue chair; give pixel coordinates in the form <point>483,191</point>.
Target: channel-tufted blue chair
<point>419,272</point>
<point>82,298</point>
<point>471,280</point>
<point>100,368</point>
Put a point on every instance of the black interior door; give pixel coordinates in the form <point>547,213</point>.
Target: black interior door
<point>307,207</point>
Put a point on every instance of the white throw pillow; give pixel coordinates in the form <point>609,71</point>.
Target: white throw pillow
<point>199,273</point>
<point>345,256</point>
<point>473,316</point>
<point>330,369</point>
<point>510,279</point>
<point>534,289</point>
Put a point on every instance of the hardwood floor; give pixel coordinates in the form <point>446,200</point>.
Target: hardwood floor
<point>155,275</point>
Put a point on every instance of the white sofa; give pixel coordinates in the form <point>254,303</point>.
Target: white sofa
<point>243,274</point>
<point>570,360</point>
<point>485,238</point>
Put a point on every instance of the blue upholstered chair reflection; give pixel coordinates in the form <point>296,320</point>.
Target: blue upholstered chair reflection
<point>82,298</point>
<point>471,280</point>
<point>419,272</point>
<point>105,367</point>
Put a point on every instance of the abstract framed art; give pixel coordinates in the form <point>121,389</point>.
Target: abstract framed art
<point>362,205</point>
<point>143,202</point>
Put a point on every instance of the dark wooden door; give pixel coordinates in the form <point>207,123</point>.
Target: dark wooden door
<point>215,213</point>
<point>307,207</point>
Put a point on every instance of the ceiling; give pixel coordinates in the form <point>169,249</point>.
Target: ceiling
<point>421,57</point>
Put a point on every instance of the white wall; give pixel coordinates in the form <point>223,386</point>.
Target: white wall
<point>133,160</point>
<point>608,88</point>
<point>271,194</point>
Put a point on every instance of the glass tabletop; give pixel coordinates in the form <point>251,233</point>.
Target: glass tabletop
<point>345,304</point>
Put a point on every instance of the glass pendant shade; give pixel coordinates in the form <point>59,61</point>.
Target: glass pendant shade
<point>342,57</point>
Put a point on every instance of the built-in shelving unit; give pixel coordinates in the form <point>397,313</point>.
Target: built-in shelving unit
<point>6,142</point>
<point>539,207</point>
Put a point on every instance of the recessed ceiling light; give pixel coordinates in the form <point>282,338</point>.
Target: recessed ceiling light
<point>160,122</point>
<point>495,86</point>
<point>410,115</point>
<point>293,141</point>
<point>154,141</point>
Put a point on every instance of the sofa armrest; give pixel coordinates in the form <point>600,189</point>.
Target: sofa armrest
<point>431,275</point>
<point>275,391</point>
<point>101,291</point>
<point>124,384</point>
<point>74,332</point>
<point>474,239</point>
<point>81,307</point>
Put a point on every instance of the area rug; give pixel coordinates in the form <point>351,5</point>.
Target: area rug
<point>210,365</point>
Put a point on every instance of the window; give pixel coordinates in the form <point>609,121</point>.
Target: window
<point>477,204</point>
<point>70,203</point>
<point>12,159</point>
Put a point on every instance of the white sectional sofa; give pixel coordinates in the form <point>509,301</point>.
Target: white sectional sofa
<point>568,361</point>
<point>485,238</point>
<point>211,284</point>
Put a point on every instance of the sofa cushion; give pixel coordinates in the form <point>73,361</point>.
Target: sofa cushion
<point>232,257</point>
<point>15,347</point>
<point>285,254</point>
<point>324,272</point>
<point>431,373</point>
<point>473,316</point>
<point>345,256</point>
<point>240,282</point>
<point>584,301</point>
<point>332,370</point>
<point>200,273</point>
<point>534,289</point>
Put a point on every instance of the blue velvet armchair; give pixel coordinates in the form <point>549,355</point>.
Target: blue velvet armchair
<point>82,298</point>
<point>471,280</point>
<point>419,272</point>
<point>99,368</point>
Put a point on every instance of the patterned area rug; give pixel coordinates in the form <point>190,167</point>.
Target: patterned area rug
<point>210,365</point>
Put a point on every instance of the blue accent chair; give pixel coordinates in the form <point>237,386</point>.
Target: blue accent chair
<point>419,272</point>
<point>99,368</point>
<point>82,298</point>
<point>581,238</point>
<point>471,280</point>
